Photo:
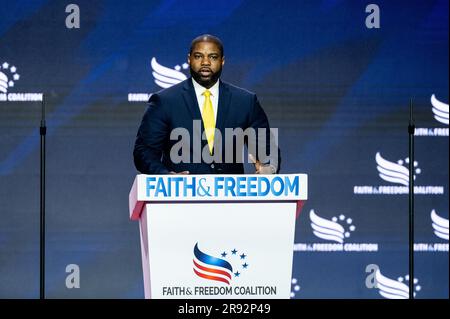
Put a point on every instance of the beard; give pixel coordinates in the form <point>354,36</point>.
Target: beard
<point>206,82</point>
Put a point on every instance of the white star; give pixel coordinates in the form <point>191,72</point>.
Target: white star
<point>5,65</point>
<point>13,69</point>
<point>185,65</point>
<point>11,83</point>
<point>16,77</point>
<point>177,67</point>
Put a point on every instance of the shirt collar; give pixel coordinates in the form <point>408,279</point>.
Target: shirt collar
<point>200,89</point>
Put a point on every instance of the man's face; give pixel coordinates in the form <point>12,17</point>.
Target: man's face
<point>206,63</point>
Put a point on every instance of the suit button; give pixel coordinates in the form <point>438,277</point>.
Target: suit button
<point>212,166</point>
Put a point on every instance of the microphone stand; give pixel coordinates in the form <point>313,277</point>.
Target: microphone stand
<point>42,131</point>
<point>411,129</point>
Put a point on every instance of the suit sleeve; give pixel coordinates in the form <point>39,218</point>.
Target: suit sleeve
<point>151,139</point>
<point>266,142</point>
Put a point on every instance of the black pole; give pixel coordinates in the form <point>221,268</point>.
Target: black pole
<point>42,131</point>
<point>411,129</point>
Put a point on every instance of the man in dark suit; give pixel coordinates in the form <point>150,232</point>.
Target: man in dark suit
<point>205,108</point>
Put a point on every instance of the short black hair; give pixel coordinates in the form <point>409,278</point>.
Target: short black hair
<point>207,38</point>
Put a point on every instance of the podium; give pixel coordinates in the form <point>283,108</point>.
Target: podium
<point>217,236</point>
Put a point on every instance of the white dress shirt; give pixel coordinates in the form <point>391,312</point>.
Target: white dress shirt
<point>199,90</point>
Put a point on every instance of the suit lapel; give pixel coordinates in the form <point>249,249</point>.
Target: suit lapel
<point>192,104</point>
<point>191,100</point>
<point>223,107</point>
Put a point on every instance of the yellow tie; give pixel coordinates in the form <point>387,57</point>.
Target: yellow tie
<point>209,120</point>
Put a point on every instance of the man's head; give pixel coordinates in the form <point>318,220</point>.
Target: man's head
<point>206,59</point>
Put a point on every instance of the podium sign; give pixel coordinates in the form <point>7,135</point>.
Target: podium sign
<point>217,236</point>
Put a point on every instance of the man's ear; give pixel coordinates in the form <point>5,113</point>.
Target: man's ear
<point>189,58</point>
<point>223,60</point>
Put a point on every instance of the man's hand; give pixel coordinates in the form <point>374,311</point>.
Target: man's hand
<point>180,173</point>
<point>261,168</point>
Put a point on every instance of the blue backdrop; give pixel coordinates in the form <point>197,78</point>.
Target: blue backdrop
<point>337,90</point>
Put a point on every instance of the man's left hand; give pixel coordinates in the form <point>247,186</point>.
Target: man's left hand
<point>264,169</point>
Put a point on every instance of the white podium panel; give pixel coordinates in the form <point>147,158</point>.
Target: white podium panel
<point>205,250</point>
<point>217,236</point>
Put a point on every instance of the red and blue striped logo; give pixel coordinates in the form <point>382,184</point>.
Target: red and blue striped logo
<point>211,268</point>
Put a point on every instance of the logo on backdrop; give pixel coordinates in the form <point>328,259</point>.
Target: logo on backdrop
<point>5,80</point>
<point>387,287</point>
<point>9,75</point>
<point>396,173</point>
<point>216,274</point>
<point>440,113</point>
<point>440,110</point>
<point>295,287</point>
<point>163,76</point>
<point>439,226</point>
<point>331,229</point>
<point>336,233</point>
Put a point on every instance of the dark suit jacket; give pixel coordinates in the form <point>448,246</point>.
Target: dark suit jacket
<point>177,107</point>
